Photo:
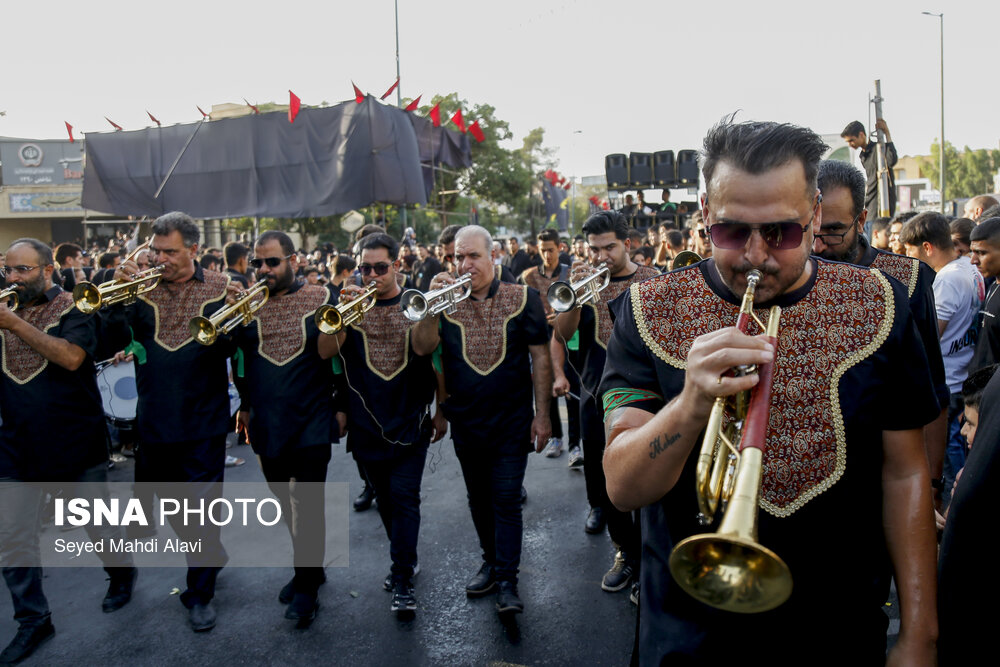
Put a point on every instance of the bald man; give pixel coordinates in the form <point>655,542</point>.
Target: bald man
<point>974,207</point>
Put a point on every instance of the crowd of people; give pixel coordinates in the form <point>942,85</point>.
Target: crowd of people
<point>882,365</point>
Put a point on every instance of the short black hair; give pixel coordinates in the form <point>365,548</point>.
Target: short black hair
<point>927,227</point>
<point>447,234</point>
<point>961,227</point>
<point>66,250</point>
<point>175,221</point>
<point>645,251</point>
<point>107,260</point>
<point>209,261</point>
<point>675,239</point>
<point>986,230</point>
<point>880,225</point>
<point>603,222</point>
<point>549,235</point>
<point>344,263</point>
<point>834,174</point>
<point>43,251</point>
<point>904,216</point>
<point>283,239</point>
<point>975,385</point>
<point>310,269</point>
<point>853,129</point>
<point>759,146</point>
<point>234,252</point>
<point>373,241</point>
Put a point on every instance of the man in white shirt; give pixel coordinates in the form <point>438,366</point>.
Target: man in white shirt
<point>958,292</point>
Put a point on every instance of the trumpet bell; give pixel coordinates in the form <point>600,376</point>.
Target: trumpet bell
<point>87,298</point>
<point>329,320</point>
<point>685,258</point>
<point>561,297</point>
<point>202,330</point>
<point>414,305</point>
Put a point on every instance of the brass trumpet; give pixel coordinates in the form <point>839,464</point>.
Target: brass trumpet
<point>9,296</point>
<point>416,305</point>
<point>685,258</point>
<point>331,319</point>
<point>89,297</point>
<point>729,569</point>
<point>564,296</point>
<point>206,330</point>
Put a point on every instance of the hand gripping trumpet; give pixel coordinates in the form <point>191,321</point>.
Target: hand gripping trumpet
<point>729,569</point>
<point>331,319</point>
<point>564,296</point>
<point>89,297</point>
<point>416,305</point>
<point>9,296</point>
<point>206,330</point>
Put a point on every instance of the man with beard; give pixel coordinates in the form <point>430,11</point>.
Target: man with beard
<point>288,410</point>
<point>607,235</point>
<point>495,358</point>
<point>48,374</point>
<point>840,239</point>
<point>390,386</point>
<point>183,408</point>
<point>843,463</point>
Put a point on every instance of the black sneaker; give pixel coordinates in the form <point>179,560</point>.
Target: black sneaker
<point>387,584</point>
<point>620,574</point>
<point>288,590</point>
<point>364,499</point>
<point>302,608</point>
<point>483,583</point>
<point>120,589</point>
<point>507,600</point>
<point>27,639</point>
<point>402,597</point>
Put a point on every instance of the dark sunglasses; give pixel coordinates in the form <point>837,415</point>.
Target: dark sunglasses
<point>272,262</point>
<point>777,235</point>
<point>379,268</point>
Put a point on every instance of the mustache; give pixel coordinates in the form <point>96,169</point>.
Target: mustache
<point>746,267</point>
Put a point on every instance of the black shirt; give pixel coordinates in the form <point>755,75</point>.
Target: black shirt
<point>389,385</point>
<point>36,395</point>
<point>183,386</point>
<point>846,342</point>
<point>487,367</point>
<point>424,272</point>
<point>869,159</point>
<point>238,277</point>
<point>518,262</point>
<point>988,344</point>
<point>288,387</point>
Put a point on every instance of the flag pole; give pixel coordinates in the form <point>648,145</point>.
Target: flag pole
<point>399,93</point>
<point>179,156</point>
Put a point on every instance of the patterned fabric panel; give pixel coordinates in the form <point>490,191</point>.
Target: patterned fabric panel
<point>484,325</point>
<point>386,335</point>
<point>904,269</point>
<point>843,320</point>
<point>283,323</point>
<point>175,304</point>
<point>602,314</point>
<point>532,278</point>
<point>20,361</point>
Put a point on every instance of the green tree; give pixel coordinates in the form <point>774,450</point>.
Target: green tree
<point>969,173</point>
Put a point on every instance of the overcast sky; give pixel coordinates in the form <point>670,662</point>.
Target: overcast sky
<point>628,75</point>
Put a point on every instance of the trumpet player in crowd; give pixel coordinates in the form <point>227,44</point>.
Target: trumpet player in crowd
<point>609,245</point>
<point>390,385</point>
<point>48,373</point>
<point>836,491</point>
<point>494,357</point>
<point>287,406</point>
<point>183,389</point>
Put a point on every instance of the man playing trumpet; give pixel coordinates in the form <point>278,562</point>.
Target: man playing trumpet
<point>494,354</point>
<point>390,385</point>
<point>845,491</point>
<point>288,410</point>
<point>607,238</point>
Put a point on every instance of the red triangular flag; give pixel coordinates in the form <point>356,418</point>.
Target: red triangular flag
<point>203,114</point>
<point>412,106</point>
<point>436,115</point>
<point>255,109</point>
<point>118,128</point>
<point>477,132</point>
<point>391,88</point>
<point>457,120</point>
<point>153,118</point>
<point>69,129</point>
<point>294,104</point>
<point>568,185</point>
<point>359,97</point>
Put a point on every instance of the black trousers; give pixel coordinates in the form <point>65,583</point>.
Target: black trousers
<point>623,527</point>
<point>572,405</point>
<point>297,479</point>
<point>200,464</point>
<point>396,481</point>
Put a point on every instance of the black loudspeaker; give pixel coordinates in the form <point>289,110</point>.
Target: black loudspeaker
<point>616,171</point>
<point>663,169</point>
<point>640,170</point>
<point>687,167</point>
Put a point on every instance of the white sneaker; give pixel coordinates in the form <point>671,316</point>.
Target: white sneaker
<point>553,450</point>
<point>576,458</point>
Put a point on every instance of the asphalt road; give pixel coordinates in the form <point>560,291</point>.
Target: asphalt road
<point>568,619</point>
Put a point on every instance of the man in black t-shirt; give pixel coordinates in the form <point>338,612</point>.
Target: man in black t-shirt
<point>48,374</point>
<point>985,255</point>
<point>856,137</point>
<point>844,491</point>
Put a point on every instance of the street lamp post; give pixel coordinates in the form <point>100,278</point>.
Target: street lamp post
<point>940,17</point>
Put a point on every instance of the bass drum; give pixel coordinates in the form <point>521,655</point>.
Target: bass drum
<point>118,392</point>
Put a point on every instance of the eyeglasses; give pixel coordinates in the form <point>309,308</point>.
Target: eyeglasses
<point>21,268</point>
<point>777,235</point>
<point>379,268</point>
<point>272,262</point>
<point>836,238</point>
